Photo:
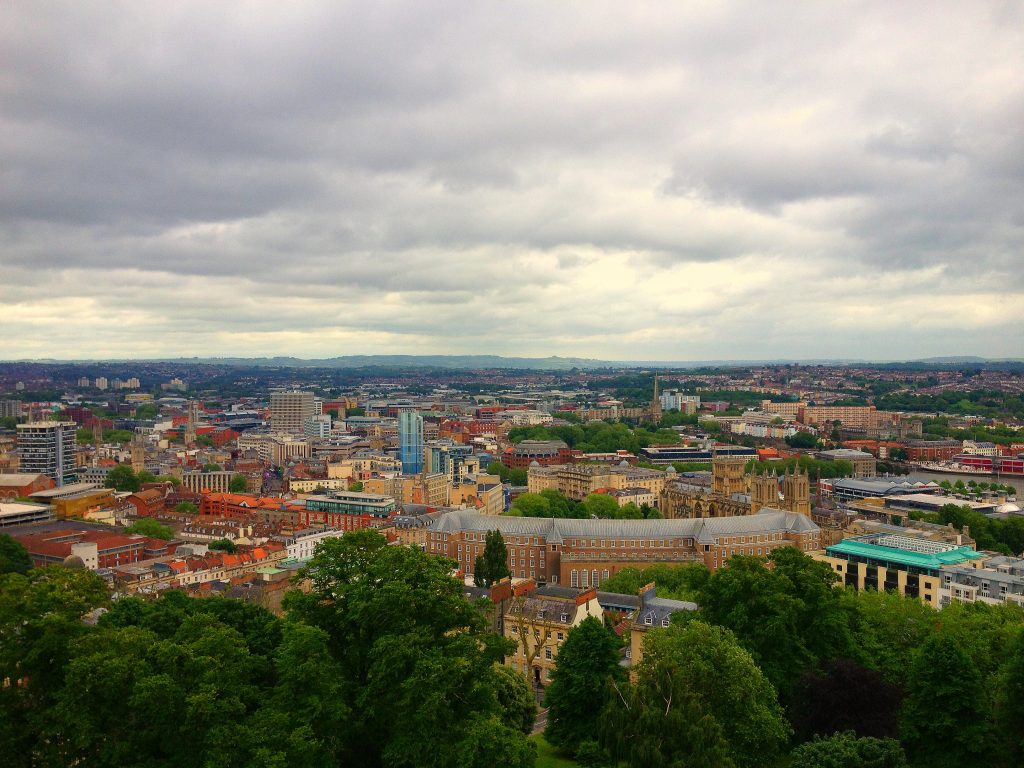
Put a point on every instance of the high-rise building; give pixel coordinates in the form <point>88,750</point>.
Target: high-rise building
<point>132,383</point>
<point>318,427</point>
<point>410,442</point>
<point>101,382</point>
<point>10,409</point>
<point>48,448</point>
<point>84,381</point>
<point>290,410</point>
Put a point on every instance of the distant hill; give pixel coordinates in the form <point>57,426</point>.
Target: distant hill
<point>553,363</point>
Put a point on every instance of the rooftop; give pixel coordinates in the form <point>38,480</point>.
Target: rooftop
<point>904,550</point>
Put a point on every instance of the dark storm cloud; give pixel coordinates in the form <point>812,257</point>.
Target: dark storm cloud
<point>649,180</point>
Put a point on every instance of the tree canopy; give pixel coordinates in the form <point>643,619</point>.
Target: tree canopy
<point>122,478</point>
<point>14,557</point>
<point>587,662</point>
<point>491,566</point>
<point>147,526</point>
<point>416,657</point>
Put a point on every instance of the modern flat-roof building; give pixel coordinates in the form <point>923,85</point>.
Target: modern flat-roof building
<point>863,463</point>
<point>48,448</point>
<point>18,513</point>
<point>909,565</point>
<point>290,410</point>
<point>347,509</point>
<point>849,488</point>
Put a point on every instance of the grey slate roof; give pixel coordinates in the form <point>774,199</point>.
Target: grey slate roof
<point>556,531</point>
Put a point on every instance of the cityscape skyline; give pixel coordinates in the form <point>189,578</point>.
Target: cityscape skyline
<point>710,182</point>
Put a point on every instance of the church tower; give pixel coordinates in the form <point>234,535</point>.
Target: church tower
<point>727,475</point>
<point>764,492</point>
<point>138,450</point>
<point>97,440</point>
<point>796,492</point>
<point>190,425</point>
<point>656,403</point>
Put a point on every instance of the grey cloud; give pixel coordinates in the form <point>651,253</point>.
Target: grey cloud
<point>416,168</point>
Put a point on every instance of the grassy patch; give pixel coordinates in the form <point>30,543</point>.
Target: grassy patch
<point>547,757</point>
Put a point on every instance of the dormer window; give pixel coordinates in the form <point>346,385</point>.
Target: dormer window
<point>648,620</point>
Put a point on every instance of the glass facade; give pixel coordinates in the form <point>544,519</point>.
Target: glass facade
<point>410,442</point>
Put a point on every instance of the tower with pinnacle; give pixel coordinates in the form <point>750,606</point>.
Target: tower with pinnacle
<point>656,403</point>
<point>138,449</point>
<point>190,424</point>
<point>796,491</point>
<point>764,491</point>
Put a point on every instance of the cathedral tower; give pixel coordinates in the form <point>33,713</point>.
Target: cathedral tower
<point>796,492</point>
<point>764,492</point>
<point>727,475</point>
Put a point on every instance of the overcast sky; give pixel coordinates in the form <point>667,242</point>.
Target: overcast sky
<point>674,181</point>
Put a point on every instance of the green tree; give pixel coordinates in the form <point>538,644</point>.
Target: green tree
<point>660,723</point>
<point>601,505</point>
<point>147,526</point>
<point>530,505</point>
<point>417,658</point>
<point>1008,710</point>
<point>587,662</point>
<point>211,467</point>
<point>631,511</point>
<point>356,486</point>
<point>789,617</point>
<point>146,477</point>
<point>223,545</point>
<point>802,440</point>
<point>679,582</point>
<point>175,481</point>
<point>122,478</point>
<point>889,628</point>
<point>710,663</point>
<point>40,621</point>
<point>944,722</point>
<point>491,566</point>
<point>14,557</point>
<point>187,507</point>
<point>846,750</point>
<point>239,483</point>
<point>516,699</point>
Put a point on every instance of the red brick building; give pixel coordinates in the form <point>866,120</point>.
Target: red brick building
<point>23,484</point>
<point>544,452</point>
<point>111,549</point>
<point>932,450</point>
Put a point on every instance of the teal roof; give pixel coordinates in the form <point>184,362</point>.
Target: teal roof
<point>932,561</point>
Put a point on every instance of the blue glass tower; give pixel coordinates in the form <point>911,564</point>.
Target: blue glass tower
<point>410,442</point>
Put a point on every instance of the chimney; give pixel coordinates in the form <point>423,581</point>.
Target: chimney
<point>647,591</point>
